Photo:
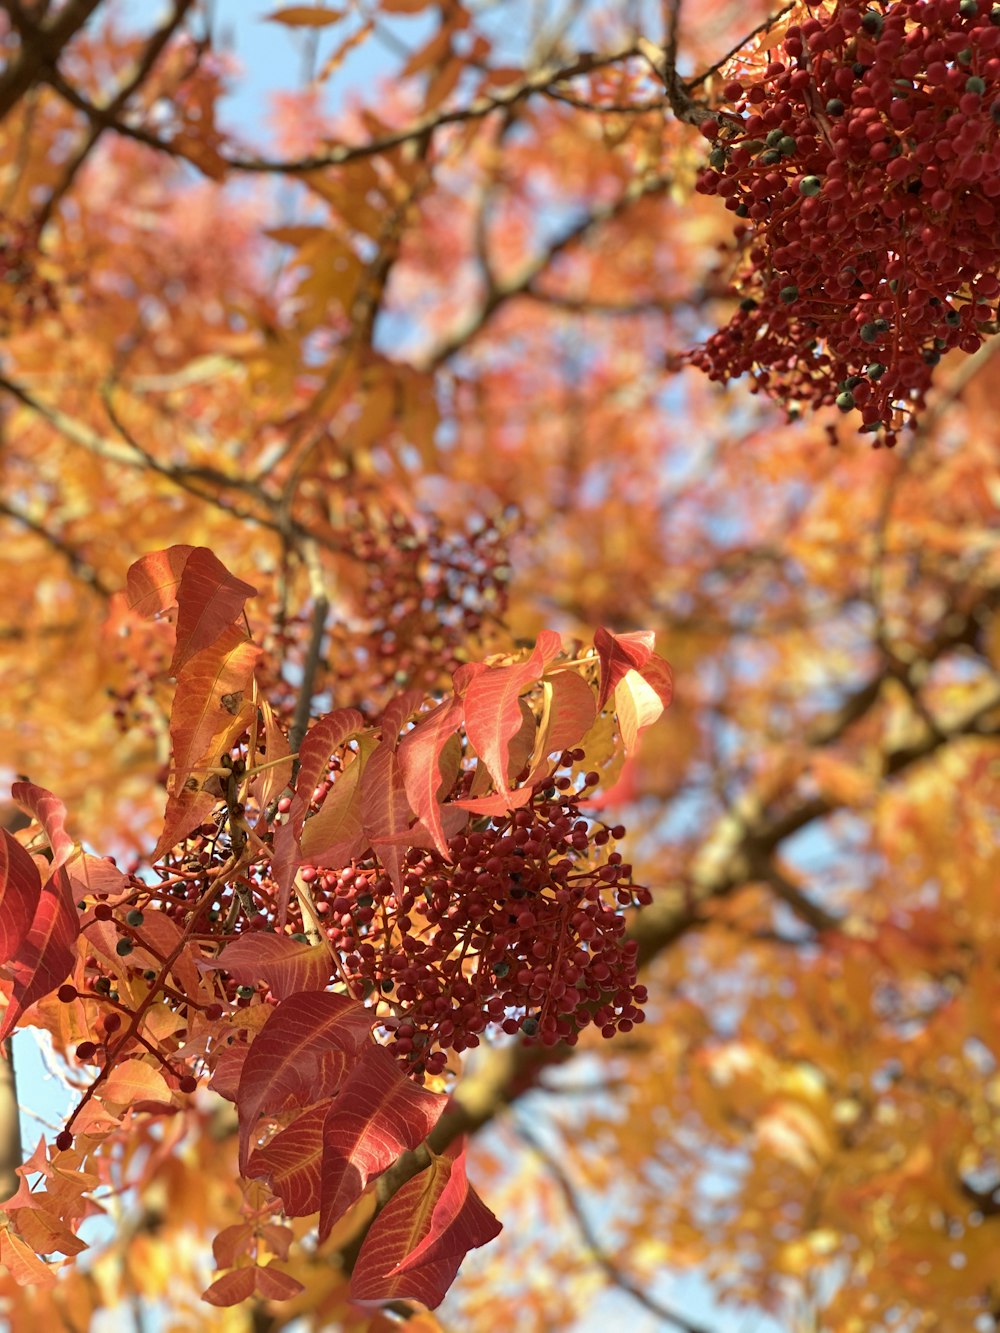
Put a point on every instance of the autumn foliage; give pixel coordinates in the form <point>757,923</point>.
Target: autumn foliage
<point>380,908</point>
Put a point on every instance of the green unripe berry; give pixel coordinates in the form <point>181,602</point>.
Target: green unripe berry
<point>771,156</point>
<point>835,107</point>
<point>748,304</point>
<point>123,948</point>
<point>789,294</point>
<point>872,23</point>
<point>774,137</point>
<point>868,333</point>
<point>149,974</point>
<point>787,145</point>
<point>810,186</point>
<point>741,211</point>
<point>845,400</point>
<point>102,985</point>
<point>135,917</point>
<point>246,992</point>
<point>974,84</point>
<point>969,9</point>
<point>717,158</point>
<point>875,370</point>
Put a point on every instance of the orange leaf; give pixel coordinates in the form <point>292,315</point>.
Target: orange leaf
<point>304,16</point>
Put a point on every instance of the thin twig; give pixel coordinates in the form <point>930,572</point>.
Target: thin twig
<point>608,1266</point>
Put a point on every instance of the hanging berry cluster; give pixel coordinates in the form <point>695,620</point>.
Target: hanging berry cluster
<point>865,160</point>
<point>522,931</point>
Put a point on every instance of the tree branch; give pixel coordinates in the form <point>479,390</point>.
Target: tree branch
<point>611,1270</point>
<point>41,46</point>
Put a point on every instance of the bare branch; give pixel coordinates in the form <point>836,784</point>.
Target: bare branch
<point>611,1270</point>
<point>41,47</point>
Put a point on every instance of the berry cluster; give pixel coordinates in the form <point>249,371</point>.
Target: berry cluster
<point>426,598</point>
<point>427,593</point>
<point>865,158</point>
<point>522,931</point>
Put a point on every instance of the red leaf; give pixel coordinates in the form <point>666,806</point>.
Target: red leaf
<point>335,833</point>
<point>286,965</point>
<point>619,653</point>
<point>397,712</point>
<point>268,785</point>
<point>20,890</point>
<point>292,1162</point>
<point>419,763</point>
<point>640,698</point>
<point>385,811</point>
<point>91,876</point>
<point>436,1218</point>
<point>46,955</point>
<point>231,1288</point>
<point>571,712</point>
<point>156,939</point>
<point>229,1064</point>
<point>211,709</point>
<point>378,1114</point>
<point>324,737</point>
<point>231,1243</point>
<point>459,1215</point>
<point>50,813</point>
<point>209,600</point>
<point>492,711</point>
<point>275,1285</point>
<point>134,1081</point>
<point>301,1054</point>
<point>500,804</point>
<point>152,581</point>
<point>22,1263</point>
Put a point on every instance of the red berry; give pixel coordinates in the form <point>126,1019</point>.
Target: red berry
<point>64,1140</point>
<point>66,993</point>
